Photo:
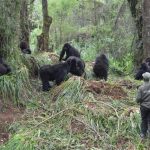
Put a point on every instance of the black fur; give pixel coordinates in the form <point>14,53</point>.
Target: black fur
<point>101,67</point>
<point>147,60</point>
<point>55,73</point>
<point>143,68</point>
<point>69,50</point>
<point>77,65</point>
<point>24,47</point>
<point>4,68</point>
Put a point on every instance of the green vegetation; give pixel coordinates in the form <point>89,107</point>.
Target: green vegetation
<point>70,117</point>
<point>76,115</point>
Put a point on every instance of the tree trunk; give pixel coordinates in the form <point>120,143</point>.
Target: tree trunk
<point>146,28</point>
<point>24,22</point>
<point>43,39</point>
<point>135,8</point>
<point>9,20</point>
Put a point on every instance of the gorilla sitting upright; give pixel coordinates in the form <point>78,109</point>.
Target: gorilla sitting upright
<point>56,73</point>
<point>143,68</point>
<point>147,60</point>
<point>77,65</point>
<point>24,47</point>
<point>69,50</point>
<point>4,68</point>
<point>101,67</point>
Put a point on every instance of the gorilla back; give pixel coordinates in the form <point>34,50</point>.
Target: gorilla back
<point>101,67</point>
<point>69,50</point>
<point>55,73</point>
<point>4,68</point>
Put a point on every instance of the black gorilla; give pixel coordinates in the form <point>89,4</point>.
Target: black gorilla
<point>101,67</point>
<point>147,60</point>
<point>69,50</point>
<point>143,68</point>
<point>77,65</point>
<point>24,47</point>
<point>55,73</point>
<point>4,68</point>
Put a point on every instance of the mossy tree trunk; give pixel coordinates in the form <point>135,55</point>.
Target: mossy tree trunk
<point>24,22</point>
<point>140,10</point>
<point>146,28</point>
<point>136,11</point>
<point>43,38</point>
<point>9,25</point>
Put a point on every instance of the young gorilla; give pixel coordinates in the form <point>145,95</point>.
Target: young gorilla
<point>69,50</point>
<point>143,68</point>
<point>77,65</point>
<point>101,67</point>
<point>55,73</point>
<point>4,68</point>
<point>24,47</point>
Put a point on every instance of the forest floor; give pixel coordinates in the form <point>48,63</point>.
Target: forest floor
<point>79,114</point>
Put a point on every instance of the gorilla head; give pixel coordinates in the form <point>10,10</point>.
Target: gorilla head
<point>101,67</point>
<point>147,60</point>
<point>77,65</point>
<point>143,68</point>
<point>69,51</point>
<point>25,47</point>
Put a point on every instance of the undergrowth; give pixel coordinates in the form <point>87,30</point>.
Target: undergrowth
<point>69,117</point>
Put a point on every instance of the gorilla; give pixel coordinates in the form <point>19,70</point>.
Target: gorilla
<point>77,65</point>
<point>4,68</point>
<point>24,47</point>
<point>143,68</point>
<point>69,50</point>
<point>147,60</point>
<point>56,73</point>
<point>101,67</point>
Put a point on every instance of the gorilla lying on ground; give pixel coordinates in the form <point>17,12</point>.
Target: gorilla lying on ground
<point>55,73</point>
<point>77,65</point>
<point>4,68</point>
<point>69,50</point>
<point>143,68</point>
<point>101,67</point>
<point>24,47</point>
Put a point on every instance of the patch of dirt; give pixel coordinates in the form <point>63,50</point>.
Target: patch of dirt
<point>54,57</point>
<point>8,114</point>
<point>128,84</point>
<point>121,141</point>
<point>115,91</point>
<point>87,142</point>
<point>77,127</point>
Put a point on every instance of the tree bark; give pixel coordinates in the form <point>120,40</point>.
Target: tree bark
<point>24,22</point>
<point>136,12</point>
<point>43,39</point>
<point>9,20</point>
<point>146,28</point>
